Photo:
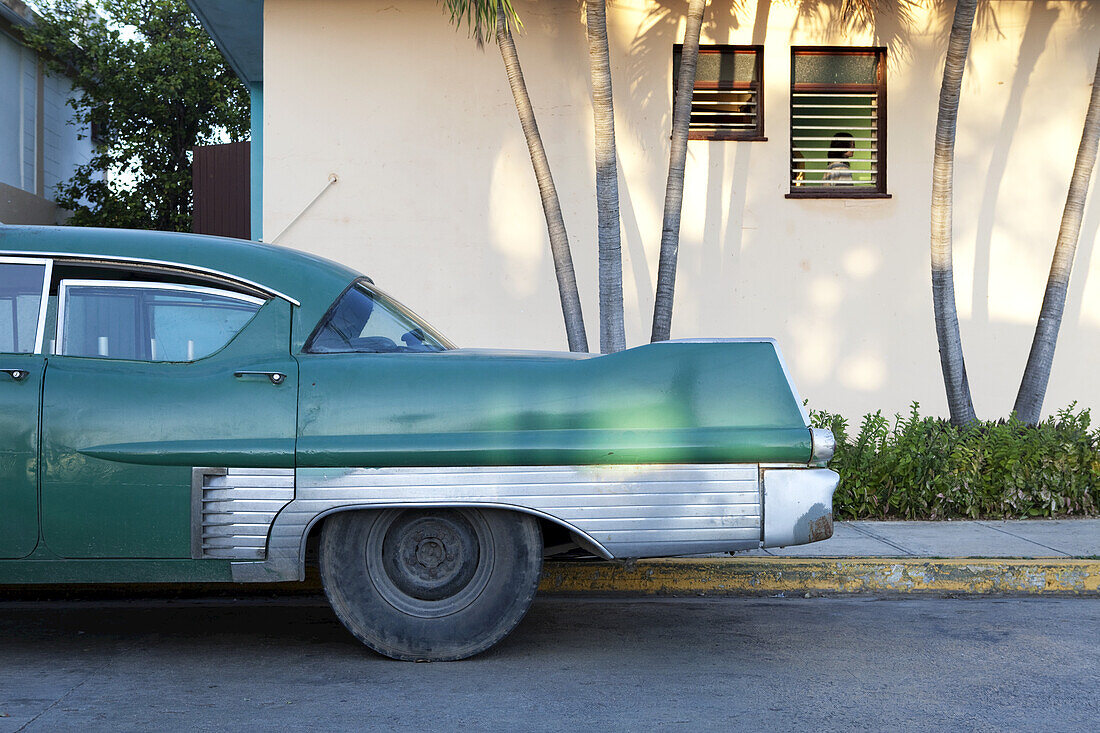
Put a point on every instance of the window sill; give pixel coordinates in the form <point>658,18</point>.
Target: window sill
<point>724,138</point>
<point>837,195</point>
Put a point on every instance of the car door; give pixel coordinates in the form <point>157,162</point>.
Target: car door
<point>22,311</point>
<point>151,380</point>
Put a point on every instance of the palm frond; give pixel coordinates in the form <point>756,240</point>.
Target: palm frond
<point>480,16</point>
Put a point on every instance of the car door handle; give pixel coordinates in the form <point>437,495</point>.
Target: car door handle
<point>17,374</point>
<point>275,377</point>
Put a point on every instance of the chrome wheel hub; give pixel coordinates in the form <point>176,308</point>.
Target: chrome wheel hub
<point>429,563</point>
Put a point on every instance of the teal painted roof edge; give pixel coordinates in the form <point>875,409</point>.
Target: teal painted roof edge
<point>313,281</point>
<point>237,29</point>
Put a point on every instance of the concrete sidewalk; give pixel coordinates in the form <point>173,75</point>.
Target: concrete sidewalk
<point>1027,538</point>
<point>947,558</point>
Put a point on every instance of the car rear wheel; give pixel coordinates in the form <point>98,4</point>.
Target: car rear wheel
<point>430,584</point>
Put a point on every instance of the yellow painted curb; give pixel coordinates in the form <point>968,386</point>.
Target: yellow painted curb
<point>757,575</point>
<point>707,576</point>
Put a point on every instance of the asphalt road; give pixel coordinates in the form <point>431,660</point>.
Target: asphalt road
<point>616,664</point>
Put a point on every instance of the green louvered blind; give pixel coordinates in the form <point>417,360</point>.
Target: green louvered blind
<point>838,121</point>
<point>726,102</point>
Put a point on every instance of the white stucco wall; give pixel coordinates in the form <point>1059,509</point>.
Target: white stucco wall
<point>436,199</point>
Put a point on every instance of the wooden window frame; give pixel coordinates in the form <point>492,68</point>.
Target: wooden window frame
<point>754,135</point>
<point>842,192</point>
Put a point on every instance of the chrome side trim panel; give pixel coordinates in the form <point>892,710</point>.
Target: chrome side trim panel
<point>233,509</point>
<point>625,511</point>
<point>798,505</point>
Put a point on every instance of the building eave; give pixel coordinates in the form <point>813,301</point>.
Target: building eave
<point>17,13</point>
<point>237,28</point>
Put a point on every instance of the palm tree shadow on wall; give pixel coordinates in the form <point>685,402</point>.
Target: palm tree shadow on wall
<point>829,21</point>
<point>725,224</point>
<point>651,93</point>
<point>824,21</point>
<point>1040,22</point>
<point>1088,25</point>
<point>890,23</point>
<point>1041,19</point>
<point>650,97</point>
<point>659,31</point>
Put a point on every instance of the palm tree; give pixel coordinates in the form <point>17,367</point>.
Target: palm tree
<point>674,188</point>
<point>612,334</point>
<point>943,282</point>
<point>480,16</point>
<point>1033,386</point>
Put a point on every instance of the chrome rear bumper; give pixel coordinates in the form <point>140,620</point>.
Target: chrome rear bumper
<point>798,505</point>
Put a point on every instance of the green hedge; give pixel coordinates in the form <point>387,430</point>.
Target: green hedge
<point>924,468</point>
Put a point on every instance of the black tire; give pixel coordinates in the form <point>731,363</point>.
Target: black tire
<point>430,584</point>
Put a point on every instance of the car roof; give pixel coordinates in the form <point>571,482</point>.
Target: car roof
<point>307,280</point>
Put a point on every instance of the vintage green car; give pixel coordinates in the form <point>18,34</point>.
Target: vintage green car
<point>179,408</point>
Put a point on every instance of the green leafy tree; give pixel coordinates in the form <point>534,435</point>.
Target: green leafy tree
<point>151,84</point>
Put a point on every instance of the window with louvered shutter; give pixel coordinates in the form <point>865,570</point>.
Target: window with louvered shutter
<point>838,122</point>
<point>726,102</point>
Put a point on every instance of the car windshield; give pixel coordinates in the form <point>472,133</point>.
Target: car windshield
<point>366,320</point>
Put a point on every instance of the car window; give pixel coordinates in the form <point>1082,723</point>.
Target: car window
<point>366,320</point>
<point>21,285</point>
<point>148,321</point>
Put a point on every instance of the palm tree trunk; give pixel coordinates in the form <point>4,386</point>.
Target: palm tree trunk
<point>943,279</point>
<point>1033,386</point>
<point>551,206</point>
<point>612,334</point>
<point>674,188</point>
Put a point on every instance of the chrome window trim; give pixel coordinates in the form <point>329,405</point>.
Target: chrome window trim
<point>778,354</point>
<point>40,333</point>
<point>397,307</point>
<point>15,259</point>
<point>76,257</point>
<point>64,285</point>
<point>393,304</point>
<point>40,336</point>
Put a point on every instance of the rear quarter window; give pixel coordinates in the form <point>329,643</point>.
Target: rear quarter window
<point>365,320</point>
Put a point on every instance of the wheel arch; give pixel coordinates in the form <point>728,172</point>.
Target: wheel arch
<point>315,523</point>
